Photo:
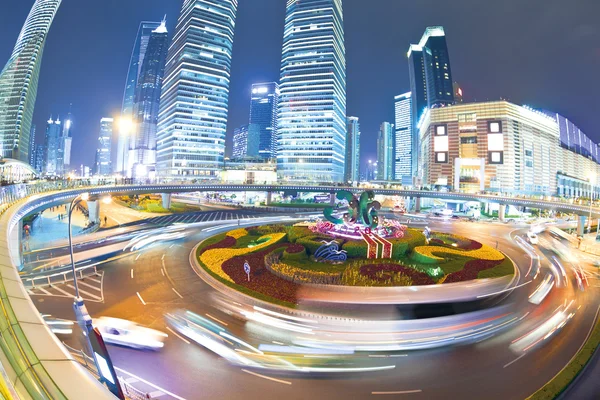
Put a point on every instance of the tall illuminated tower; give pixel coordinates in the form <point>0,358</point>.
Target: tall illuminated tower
<point>403,138</point>
<point>263,117</point>
<point>352,167</point>
<point>19,81</point>
<point>192,120</point>
<point>312,106</point>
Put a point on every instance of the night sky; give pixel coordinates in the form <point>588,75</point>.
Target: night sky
<point>543,53</point>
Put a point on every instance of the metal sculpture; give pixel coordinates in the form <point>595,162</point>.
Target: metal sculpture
<point>330,251</point>
<point>361,211</point>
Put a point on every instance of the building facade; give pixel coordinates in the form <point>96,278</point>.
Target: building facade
<point>430,78</point>
<point>19,81</point>
<point>312,108</point>
<point>142,140</point>
<point>403,171</point>
<point>121,156</point>
<point>103,160</point>
<point>501,147</point>
<point>352,164</point>
<point>67,141</point>
<point>192,120</point>
<point>263,117</point>
<point>40,156</point>
<point>240,142</point>
<point>385,152</point>
<point>54,152</point>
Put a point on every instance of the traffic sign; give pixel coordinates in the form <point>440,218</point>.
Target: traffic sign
<point>247,269</point>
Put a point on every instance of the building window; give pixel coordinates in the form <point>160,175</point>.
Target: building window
<point>468,140</point>
<point>495,157</point>
<point>441,130</point>
<point>529,153</point>
<point>495,126</point>
<point>529,163</point>
<point>441,158</point>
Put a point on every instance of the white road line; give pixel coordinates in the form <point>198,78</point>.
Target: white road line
<point>151,384</point>
<point>163,257</point>
<point>399,392</point>
<point>131,380</point>
<point>155,394</point>
<point>63,291</point>
<point>216,319</point>
<point>162,271</point>
<point>131,273</point>
<point>93,296</point>
<point>138,256</point>
<point>267,377</point>
<point>515,360</point>
<point>140,297</point>
<point>88,285</point>
<point>171,245</point>
<point>387,355</point>
<point>44,291</point>
<point>93,279</point>
<point>179,336</point>
<point>279,343</point>
<point>177,293</point>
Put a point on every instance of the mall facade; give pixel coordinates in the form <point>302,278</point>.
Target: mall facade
<point>502,147</point>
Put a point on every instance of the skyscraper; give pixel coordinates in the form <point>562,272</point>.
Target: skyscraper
<point>19,81</point>
<point>263,117</point>
<point>54,158</point>
<point>135,68</point>
<point>142,145</point>
<point>385,152</point>
<point>430,78</point>
<point>32,146</point>
<point>403,138</point>
<point>67,140</point>
<point>194,102</point>
<point>352,164</point>
<point>103,162</point>
<point>312,109</point>
<point>40,156</point>
<point>240,142</point>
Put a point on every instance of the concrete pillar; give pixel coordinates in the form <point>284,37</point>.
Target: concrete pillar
<point>457,207</point>
<point>332,199</point>
<point>94,211</point>
<point>487,208</point>
<point>581,225</point>
<point>269,198</point>
<point>166,200</point>
<point>417,204</point>
<point>502,212</point>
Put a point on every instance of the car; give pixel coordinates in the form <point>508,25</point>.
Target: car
<point>533,239</point>
<point>126,333</point>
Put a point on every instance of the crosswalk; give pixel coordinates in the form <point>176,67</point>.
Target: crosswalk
<point>192,218</point>
<point>90,288</point>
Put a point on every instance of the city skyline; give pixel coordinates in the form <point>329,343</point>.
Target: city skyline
<point>369,100</point>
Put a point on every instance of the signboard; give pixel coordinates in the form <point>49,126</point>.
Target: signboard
<point>247,269</point>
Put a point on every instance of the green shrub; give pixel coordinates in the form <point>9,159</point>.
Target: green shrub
<point>297,256</point>
<point>311,243</point>
<point>268,229</point>
<point>356,248</point>
<point>296,232</point>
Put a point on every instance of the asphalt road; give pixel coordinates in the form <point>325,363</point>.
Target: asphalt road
<point>161,280</point>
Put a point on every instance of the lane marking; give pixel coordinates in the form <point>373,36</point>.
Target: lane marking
<point>515,360</point>
<point>179,336</point>
<point>131,273</point>
<point>177,293</point>
<point>267,377</point>
<point>155,394</point>
<point>93,279</point>
<point>279,343</point>
<point>88,285</point>
<point>216,319</point>
<point>140,297</point>
<point>63,291</point>
<point>388,355</point>
<point>93,296</point>
<point>163,257</point>
<point>162,271</point>
<point>131,380</point>
<point>399,392</point>
<point>150,384</point>
<point>138,256</point>
<point>44,291</point>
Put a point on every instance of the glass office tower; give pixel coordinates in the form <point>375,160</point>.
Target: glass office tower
<point>263,117</point>
<point>403,138</point>
<point>312,107</point>
<point>142,140</point>
<point>192,120</point>
<point>103,162</point>
<point>385,152</point>
<point>352,165</point>
<point>135,68</point>
<point>19,81</point>
<point>53,148</point>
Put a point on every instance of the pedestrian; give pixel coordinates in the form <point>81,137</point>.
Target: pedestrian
<point>496,245</point>
<point>105,220</point>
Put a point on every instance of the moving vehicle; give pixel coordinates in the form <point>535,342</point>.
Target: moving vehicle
<point>129,334</point>
<point>533,238</point>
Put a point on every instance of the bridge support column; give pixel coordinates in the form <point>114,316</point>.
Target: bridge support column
<point>166,200</point>
<point>581,225</point>
<point>502,212</point>
<point>332,199</point>
<point>269,198</point>
<point>94,211</point>
<point>417,204</point>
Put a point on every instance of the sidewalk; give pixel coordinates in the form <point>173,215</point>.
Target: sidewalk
<point>47,227</point>
<point>590,245</point>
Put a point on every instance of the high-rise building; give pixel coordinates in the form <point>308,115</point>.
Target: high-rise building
<point>352,164</point>
<point>263,117</point>
<point>103,161</point>
<point>32,146</point>
<point>40,156</point>
<point>142,144</point>
<point>385,152</point>
<point>192,121</point>
<point>135,68</point>
<point>240,142</point>
<point>67,141</point>
<point>312,107</point>
<point>458,93</point>
<point>403,138</point>
<point>430,78</point>
<point>19,81</point>
<point>54,157</point>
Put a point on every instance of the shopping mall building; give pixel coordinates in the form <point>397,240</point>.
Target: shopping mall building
<point>502,147</point>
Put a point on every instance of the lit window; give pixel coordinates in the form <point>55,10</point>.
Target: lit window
<point>440,130</point>
<point>441,157</point>
<point>495,127</point>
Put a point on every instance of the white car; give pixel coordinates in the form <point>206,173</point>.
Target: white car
<point>129,334</point>
<point>533,239</point>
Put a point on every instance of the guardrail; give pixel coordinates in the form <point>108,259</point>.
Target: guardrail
<point>59,277</point>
